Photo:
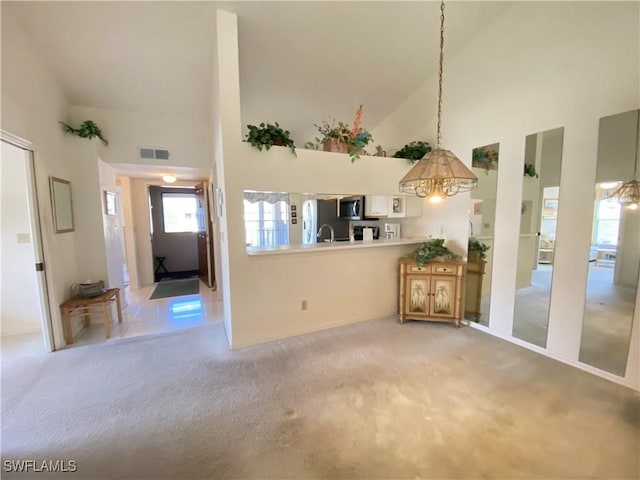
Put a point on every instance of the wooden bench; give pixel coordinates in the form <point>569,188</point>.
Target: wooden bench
<point>83,306</point>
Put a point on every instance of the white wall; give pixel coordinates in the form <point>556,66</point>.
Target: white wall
<point>538,66</point>
<point>186,139</point>
<point>263,295</point>
<point>18,282</point>
<point>32,105</point>
<point>129,229</point>
<point>86,194</point>
<point>112,231</point>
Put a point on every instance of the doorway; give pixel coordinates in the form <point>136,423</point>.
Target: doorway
<point>26,326</point>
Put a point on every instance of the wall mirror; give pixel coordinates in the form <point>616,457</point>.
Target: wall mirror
<point>614,256</point>
<point>61,204</point>
<point>536,246</point>
<point>482,211</point>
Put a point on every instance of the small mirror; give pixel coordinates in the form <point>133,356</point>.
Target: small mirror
<point>61,205</point>
<point>482,212</point>
<point>539,211</point>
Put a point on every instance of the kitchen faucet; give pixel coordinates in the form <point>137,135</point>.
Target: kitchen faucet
<point>330,229</point>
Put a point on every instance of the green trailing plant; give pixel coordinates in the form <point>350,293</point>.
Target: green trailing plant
<point>413,151</point>
<point>88,129</point>
<point>431,249</point>
<point>267,135</point>
<point>530,170</point>
<point>477,249</point>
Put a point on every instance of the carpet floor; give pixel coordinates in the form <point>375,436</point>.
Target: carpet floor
<point>176,288</point>
<point>374,400</point>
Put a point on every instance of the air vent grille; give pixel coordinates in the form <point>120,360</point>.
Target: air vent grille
<point>147,153</point>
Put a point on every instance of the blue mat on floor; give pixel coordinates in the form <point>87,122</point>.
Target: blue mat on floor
<point>176,288</point>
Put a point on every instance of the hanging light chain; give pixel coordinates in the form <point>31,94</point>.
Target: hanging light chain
<point>438,137</point>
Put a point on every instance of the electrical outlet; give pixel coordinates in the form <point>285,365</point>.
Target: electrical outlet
<point>304,305</point>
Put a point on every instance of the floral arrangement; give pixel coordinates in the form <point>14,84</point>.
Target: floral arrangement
<point>354,139</point>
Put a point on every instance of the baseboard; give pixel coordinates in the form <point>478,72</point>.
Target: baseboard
<point>581,366</point>
<point>297,333</point>
<point>20,332</point>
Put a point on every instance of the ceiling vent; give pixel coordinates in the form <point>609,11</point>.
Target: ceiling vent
<point>154,153</point>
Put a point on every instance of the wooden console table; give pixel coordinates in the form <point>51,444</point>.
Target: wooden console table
<point>83,306</point>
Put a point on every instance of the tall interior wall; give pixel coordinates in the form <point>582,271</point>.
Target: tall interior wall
<point>562,66</point>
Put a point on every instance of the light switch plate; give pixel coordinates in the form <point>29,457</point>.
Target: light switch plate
<point>23,237</point>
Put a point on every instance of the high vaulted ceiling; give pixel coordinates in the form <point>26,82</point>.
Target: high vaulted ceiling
<point>300,62</point>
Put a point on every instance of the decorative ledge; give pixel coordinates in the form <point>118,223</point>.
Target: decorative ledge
<point>330,247</point>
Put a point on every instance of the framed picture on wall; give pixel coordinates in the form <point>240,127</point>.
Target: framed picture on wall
<point>110,203</point>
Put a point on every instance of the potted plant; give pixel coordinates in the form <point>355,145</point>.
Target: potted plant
<point>530,170</point>
<point>268,135</point>
<point>88,129</point>
<point>484,157</point>
<point>477,250</point>
<point>413,151</point>
<point>432,250</point>
<point>341,138</point>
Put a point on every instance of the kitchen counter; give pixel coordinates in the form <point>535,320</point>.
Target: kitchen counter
<point>330,247</point>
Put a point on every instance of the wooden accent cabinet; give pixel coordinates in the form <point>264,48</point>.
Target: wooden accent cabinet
<point>432,292</point>
<point>473,288</point>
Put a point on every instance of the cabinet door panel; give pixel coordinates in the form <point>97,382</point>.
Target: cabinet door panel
<point>417,297</point>
<point>443,291</point>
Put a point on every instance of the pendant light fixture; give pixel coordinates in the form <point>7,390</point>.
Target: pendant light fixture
<point>440,173</point>
<point>628,194</point>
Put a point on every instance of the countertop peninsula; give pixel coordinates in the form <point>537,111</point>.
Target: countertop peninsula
<point>332,246</point>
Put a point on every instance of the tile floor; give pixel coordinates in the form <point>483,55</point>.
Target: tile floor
<point>140,317</point>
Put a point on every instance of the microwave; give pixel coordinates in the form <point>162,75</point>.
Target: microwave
<point>351,208</point>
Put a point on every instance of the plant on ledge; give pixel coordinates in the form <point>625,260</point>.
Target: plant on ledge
<point>530,170</point>
<point>413,151</point>
<point>485,157</point>
<point>432,249</point>
<point>88,129</point>
<point>268,135</point>
<point>477,249</point>
<point>341,138</point>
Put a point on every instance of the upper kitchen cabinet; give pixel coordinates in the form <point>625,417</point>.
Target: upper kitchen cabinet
<point>376,206</point>
<point>394,206</point>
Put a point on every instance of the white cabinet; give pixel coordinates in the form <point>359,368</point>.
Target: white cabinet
<point>376,206</point>
<point>394,206</point>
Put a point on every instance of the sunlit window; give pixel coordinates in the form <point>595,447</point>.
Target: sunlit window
<point>607,222</point>
<point>179,212</point>
<point>265,223</point>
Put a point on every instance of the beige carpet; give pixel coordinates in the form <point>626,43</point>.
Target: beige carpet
<point>372,400</point>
